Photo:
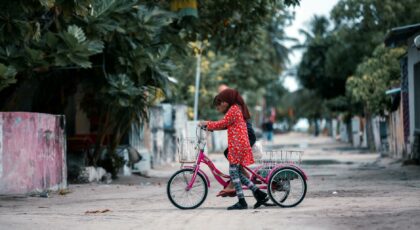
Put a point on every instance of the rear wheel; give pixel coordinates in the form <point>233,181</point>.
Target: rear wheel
<point>287,187</point>
<point>178,193</point>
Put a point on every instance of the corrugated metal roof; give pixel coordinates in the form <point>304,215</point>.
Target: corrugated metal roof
<point>398,35</point>
<point>393,91</point>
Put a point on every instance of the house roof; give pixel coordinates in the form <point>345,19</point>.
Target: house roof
<point>393,91</point>
<point>398,35</point>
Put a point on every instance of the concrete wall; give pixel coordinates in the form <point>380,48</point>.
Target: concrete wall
<point>413,59</point>
<point>357,133</point>
<point>157,141</point>
<point>137,140</point>
<point>157,135</point>
<point>343,133</point>
<point>32,152</point>
<point>334,132</point>
<point>167,123</point>
<point>376,123</point>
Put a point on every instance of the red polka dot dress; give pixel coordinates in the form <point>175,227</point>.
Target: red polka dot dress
<point>240,151</point>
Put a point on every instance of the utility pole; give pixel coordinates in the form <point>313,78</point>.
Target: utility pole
<point>197,51</point>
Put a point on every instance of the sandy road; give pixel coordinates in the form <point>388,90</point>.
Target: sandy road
<point>348,189</point>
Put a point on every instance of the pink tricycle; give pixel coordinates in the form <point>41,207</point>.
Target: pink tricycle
<point>276,171</point>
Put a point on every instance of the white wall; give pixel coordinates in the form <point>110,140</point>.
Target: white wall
<point>356,132</point>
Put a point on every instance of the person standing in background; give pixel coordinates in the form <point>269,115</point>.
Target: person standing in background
<point>267,128</point>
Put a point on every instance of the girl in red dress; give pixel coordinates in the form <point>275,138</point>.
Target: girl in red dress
<point>240,153</point>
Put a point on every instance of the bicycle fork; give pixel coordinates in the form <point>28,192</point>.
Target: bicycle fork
<point>194,176</point>
<point>196,169</point>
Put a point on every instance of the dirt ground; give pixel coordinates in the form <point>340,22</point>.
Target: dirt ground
<point>347,189</point>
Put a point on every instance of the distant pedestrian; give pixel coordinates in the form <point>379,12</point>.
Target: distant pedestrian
<point>268,129</point>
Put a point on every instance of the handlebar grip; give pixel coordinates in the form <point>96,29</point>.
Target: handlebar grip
<point>205,128</point>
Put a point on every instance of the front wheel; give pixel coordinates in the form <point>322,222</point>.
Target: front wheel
<point>287,187</point>
<point>178,193</point>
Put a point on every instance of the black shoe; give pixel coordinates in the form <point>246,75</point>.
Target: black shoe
<point>261,198</point>
<point>240,205</point>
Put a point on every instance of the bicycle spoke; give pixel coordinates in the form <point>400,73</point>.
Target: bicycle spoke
<point>287,187</point>
<point>178,193</point>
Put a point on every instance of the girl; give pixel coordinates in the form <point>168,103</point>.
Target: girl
<point>229,190</point>
<point>240,153</point>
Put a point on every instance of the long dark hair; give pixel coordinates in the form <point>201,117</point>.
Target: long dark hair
<point>232,97</point>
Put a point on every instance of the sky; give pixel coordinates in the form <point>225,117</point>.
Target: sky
<point>303,14</point>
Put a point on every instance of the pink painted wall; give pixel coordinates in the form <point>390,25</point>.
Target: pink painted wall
<point>32,152</point>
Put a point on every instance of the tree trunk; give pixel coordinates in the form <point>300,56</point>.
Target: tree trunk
<point>369,130</point>
<point>117,161</point>
<point>349,131</point>
<point>102,132</point>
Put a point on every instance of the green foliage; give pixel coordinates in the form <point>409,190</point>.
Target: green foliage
<point>275,91</point>
<point>121,49</point>
<point>47,3</point>
<point>253,67</point>
<point>374,76</point>
<point>373,16</point>
<point>260,62</point>
<point>306,103</point>
<point>124,51</point>
<point>332,56</point>
<point>122,92</point>
<point>311,71</point>
<point>140,56</point>
<point>360,26</point>
<point>75,49</point>
<point>7,76</point>
<point>228,23</point>
<point>214,68</point>
<point>31,40</point>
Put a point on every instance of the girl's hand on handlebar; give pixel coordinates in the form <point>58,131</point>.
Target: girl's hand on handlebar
<point>203,123</point>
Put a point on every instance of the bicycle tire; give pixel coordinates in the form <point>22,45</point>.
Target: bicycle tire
<point>200,180</point>
<point>286,171</point>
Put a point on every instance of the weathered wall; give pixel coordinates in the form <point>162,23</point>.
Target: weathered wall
<point>413,88</point>
<point>357,132</point>
<point>32,152</point>
<point>343,133</point>
<point>378,137</point>
<point>157,135</point>
<point>397,147</point>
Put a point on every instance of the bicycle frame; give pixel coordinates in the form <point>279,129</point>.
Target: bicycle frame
<point>222,178</point>
<point>276,171</point>
<point>218,175</point>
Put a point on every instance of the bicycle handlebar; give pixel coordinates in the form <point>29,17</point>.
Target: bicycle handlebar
<point>200,129</point>
<point>205,128</point>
